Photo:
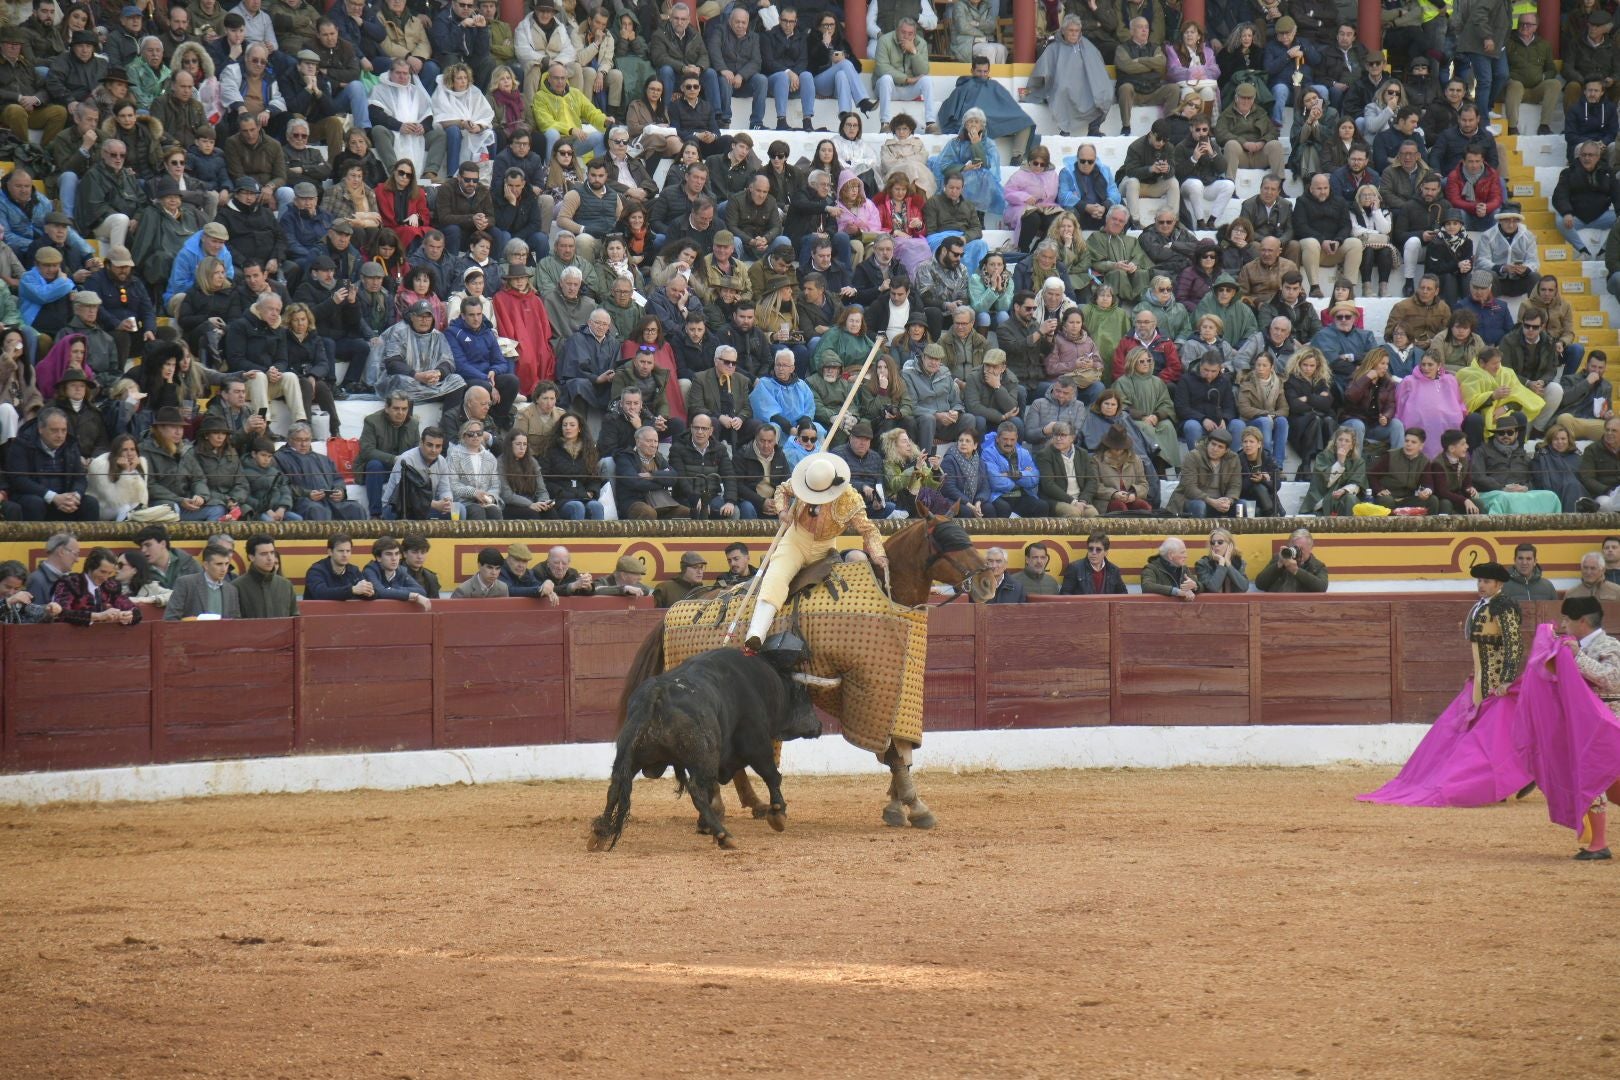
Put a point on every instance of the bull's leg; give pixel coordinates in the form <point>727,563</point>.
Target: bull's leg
<point>777,813</point>
<point>905,788</point>
<point>705,794</point>
<point>748,796</point>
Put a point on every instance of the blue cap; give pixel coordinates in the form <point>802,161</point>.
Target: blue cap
<point>131,12</point>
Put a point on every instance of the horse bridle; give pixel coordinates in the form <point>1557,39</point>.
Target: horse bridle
<point>938,552</point>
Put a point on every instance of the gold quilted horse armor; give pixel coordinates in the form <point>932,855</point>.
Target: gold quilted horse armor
<point>853,631</point>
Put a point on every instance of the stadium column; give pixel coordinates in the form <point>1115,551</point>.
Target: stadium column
<point>1370,24</point>
<point>512,13</point>
<point>1193,11</point>
<point>1552,14</point>
<point>1024,16</point>
<point>855,26</point>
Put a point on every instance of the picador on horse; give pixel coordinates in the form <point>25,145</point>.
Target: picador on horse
<point>860,647</point>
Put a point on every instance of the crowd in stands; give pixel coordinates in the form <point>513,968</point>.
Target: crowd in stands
<point>559,235</point>
<point>161,581</point>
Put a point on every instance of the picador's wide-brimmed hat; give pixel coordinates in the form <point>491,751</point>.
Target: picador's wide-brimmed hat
<point>820,478</point>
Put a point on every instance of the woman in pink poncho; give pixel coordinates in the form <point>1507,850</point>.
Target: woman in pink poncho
<point>857,216</point>
<point>1430,399</point>
<point>1031,197</point>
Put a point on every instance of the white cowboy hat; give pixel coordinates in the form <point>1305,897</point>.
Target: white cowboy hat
<point>820,478</point>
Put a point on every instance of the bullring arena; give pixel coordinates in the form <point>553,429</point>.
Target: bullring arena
<point>1223,918</point>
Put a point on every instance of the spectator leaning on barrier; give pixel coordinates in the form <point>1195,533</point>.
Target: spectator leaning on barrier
<point>689,580</point>
<point>262,592</point>
<point>61,556</point>
<point>558,577</point>
<point>1033,578</point>
<point>486,583</point>
<point>1095,575</point>
<point>415,551</point>
<point>1295,569</point>
<point>388,575</point>
<point>335,577</point>
<point>207,593</point>
<point>17,605</point>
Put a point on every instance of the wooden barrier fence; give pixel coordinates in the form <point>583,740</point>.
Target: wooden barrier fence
<point>385,676</point>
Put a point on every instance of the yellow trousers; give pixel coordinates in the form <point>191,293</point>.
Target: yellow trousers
<point>797,550</point>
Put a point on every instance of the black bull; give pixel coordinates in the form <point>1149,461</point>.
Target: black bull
<point>707,718</point>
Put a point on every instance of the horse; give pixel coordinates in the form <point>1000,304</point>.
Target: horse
<point>861,640</point>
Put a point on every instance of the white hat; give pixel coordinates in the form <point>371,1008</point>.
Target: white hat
<point>820,478</point>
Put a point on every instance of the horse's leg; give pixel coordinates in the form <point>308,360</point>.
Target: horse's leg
<point>747,795</point>
<point>894,814</point>
<point>905,787</point>
<point>777,812</point>
<point>710,808</point>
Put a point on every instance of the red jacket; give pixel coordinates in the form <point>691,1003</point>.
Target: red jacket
<point>912,209</point>
<point>387,206</point>
<point>1488,190</point>
<point>1166,357</point>
<point>73,593</point>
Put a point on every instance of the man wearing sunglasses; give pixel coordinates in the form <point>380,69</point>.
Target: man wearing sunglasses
<point>1095,575</point>
<point>1087,187</point>
<point>126,306</point>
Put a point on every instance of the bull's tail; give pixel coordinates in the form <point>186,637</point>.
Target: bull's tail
<point>649,661</point>
<point>606,830</point>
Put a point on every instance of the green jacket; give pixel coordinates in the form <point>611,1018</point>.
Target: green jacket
<point>1530,64</point>
<point>1204,479</point>
<point>891,59</point>
<point>265,596</point>
<point>382,442</point>
<point>850,350</point>
<point>267,488</point>
<point>1355,472</point>
<point>1255,127</point>
<point>1146,397</point>
<point>172,477</point>
<point>181,564</point>
<point>1237,318</point>
<point>1174,321</point>
<point>223,473</point>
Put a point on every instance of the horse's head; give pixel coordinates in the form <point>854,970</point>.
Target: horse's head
<point>938,549</point>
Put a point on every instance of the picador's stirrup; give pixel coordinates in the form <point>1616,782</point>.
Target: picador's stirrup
<point>786,650</point>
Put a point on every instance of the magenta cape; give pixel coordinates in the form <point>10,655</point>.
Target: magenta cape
<point>1549,728</point>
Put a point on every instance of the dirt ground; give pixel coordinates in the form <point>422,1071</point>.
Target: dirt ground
<point>1209,923</point>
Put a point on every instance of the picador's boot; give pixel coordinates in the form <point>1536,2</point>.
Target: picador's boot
<point>758,627</point>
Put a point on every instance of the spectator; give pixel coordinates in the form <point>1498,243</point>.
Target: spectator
<point>1166,573</point>
<point>1403,477</point>
<point>419,486</point>
<point>418,362</point>
<point>174,475</point>
<point>901,72</point>
<point>1454,483</point>
<point>762,467</point>
<point>1593,583</point>
<point>1501,470</point>
<point>262,592</point>
<point>45,471</point>
<point>1207,403</point>
<point>1322,221</point>
<point>1295,569</point>
<point>1014,480</point>
<point>738,568</point>
<point>1141,68</point>
<point>1584,197</point>
<point>994,585</point>
<point>335,577</point>
<point>475,475</point>
<point>1476,189</point>
<point>689,580</point>
<point>1066,474</point>
<point>318,492</point>
<point>1338,477</point>
<point>486,583</point>
<point>93,595</point>
<point>207,593</point>
<point>17,605</point>
<point>626,579</point>
<point>414,552</point>
<point>1071,79</point>
<point>388,577</point>
<point>1211,479</point>
<point>557,576</point>
<point>573,470</point>
<point>1117,257</point>
<point>61,555</point>
<point>1557,467</point>
<point>386,433</point>
<point>644,482</point>
<point>1593,117</point>
<point>1096,574</point>
<point>1525,583</point>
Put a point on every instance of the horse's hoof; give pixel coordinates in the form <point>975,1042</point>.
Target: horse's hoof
<point>596,843</point>
<point>777,819</point>
<point>725,841</point>
<point>894,817</point>
<point>924,820</point>
<point>761,811</point>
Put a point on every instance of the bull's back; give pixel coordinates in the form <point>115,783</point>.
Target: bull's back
<point>696,711</point>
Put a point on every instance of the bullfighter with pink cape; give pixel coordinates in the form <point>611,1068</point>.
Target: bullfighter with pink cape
<point>1549,727</point>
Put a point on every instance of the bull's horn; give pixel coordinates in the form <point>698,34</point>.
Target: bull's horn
<point>820,681</point>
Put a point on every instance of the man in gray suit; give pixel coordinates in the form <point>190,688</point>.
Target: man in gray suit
<point>207,593</point>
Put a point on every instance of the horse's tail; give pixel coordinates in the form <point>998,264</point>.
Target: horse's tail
<point>649,661</point>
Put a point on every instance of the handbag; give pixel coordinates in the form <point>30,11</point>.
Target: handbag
<point>161,514</point>
<point>344,453</point>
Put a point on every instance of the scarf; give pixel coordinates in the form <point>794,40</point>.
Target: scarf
<point>1456,242</point>
<point>509,108</point>
<point>1469,180</point>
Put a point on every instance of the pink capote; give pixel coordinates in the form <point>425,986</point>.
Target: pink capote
<point>1549,728</point>
<point>1026,190</point>
<point>1435,405</point>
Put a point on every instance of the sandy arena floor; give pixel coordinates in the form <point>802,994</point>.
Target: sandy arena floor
<point>1209,923</point>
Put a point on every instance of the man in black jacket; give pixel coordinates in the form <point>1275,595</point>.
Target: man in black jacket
<point>708,482</point>
<point>1322,222</point>
<point>812,213</point>
<point>1150,169</point>
<point>785,60</point>
<point>45,474</point>
<point>1417,223</point>
<point>1094,575</point>
<point>1584,197</point>
<point>255,233</point>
